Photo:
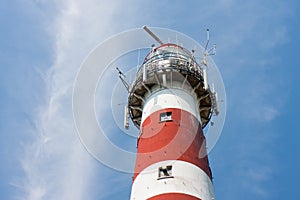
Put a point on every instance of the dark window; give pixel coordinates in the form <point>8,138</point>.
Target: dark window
<point>165,172</point>
<point>166,116</point>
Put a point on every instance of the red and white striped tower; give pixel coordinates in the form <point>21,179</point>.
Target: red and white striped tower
<point>171,103</point>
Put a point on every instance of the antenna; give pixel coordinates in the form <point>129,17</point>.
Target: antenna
<point>138,60</point>
<point>122,77</point>
<point>152,35</point>
<point>126,117</point>
<point>207,39</point>
<point>211,51</point>
<point>215,100</point>
<point>205,79</point>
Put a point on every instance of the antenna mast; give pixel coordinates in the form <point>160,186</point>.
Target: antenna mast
<point>152,35</point>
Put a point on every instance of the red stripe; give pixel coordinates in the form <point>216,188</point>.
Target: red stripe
<point>173,196</point>
<point>179,139</point>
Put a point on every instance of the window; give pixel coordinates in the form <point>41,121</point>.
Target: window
<point>165,172</point>
<point>166,116</point>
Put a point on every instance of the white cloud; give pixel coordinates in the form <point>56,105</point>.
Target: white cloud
<point>270,113</point>
<point>55,164</point>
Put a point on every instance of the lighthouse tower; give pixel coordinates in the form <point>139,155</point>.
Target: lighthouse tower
<point>171,103</point>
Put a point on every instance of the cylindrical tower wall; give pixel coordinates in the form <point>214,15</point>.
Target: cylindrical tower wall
<point>171,158</point>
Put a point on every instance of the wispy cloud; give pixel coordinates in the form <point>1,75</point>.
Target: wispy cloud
<point>55,164</point>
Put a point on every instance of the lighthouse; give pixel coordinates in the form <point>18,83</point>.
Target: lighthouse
<point>172,99</point>
<point>171,103</point>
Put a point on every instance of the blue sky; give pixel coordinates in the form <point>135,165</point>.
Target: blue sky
<point>43,44</point>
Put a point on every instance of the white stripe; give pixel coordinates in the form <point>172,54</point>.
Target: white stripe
<point>186,179</point>
<point>170,98</point>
